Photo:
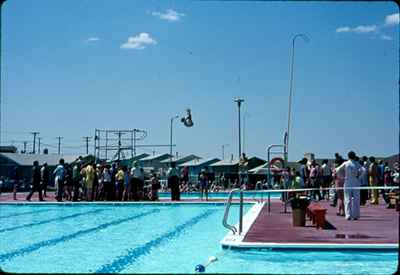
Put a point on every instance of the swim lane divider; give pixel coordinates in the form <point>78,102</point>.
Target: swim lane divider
<point>51,220</point>
<point>26,213</point>
<point>121,262</point>
<point>36,246</point>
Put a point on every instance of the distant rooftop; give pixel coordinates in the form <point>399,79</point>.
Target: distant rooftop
<point>182,159</point>
<point>28,159</point>
<point>197,162</point>
<point>155,157</point>
<point>226,163</point>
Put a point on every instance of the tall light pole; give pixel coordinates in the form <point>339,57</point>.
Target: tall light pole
<point>246,114</point>
<point>306,39</point>
<point>239,103</point>
<point>170,136</point>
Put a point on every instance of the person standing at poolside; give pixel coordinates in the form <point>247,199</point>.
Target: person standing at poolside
<point>303,171</point>
<point>173,182</point>
<point>314,170</point>
<point>45,177</point>
<point>59,174</point>
<point>373,180</point>
<point>127,184</point>
<point>326,177</point>
<point>155,186</point>
<point>364,182</point>
<point>113,172</point>
<point>107,191</point>
<point>68,183</point>
<point>76,179</point>
<point>35,181</point>
<point>339,182</point>
<point>89,174</point>
<point>203,184</point>
<point>352,170</point>
<point>136,176</point>
<point>119,179</point>
<point>17,179</point>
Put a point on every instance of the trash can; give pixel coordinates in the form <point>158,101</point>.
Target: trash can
<point>299,206</point>
<point>299,217</point>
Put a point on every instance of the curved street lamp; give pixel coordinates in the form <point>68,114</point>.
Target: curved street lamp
<point>306,39</point>
<point>170,137</point>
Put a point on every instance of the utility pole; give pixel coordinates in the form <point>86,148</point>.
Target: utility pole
<point>39,138</point>
<point>59,144</point>
<point>87,144</point>
<point>223,150</point>
<point>239,103</point>
<point>25,142</point>
<point>34,140</point>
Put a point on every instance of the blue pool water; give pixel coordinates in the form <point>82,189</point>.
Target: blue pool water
<point>223,195</point>
<point>150,238</point>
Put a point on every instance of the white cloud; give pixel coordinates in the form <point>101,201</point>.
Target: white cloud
<point>92,39</point>
<point>364,29</point>
<point>386,37</point>
<point>392,19</point>
<point>343,29</point>
<point>359,29</point>
<point>139,42</point>
<point>169,15</point>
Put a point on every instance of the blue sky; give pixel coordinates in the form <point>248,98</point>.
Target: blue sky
<point>70,68</point>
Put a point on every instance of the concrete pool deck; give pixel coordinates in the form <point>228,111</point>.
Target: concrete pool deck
<point>377,228</point>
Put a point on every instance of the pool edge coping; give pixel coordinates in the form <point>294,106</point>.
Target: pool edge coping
<point>231,241</point>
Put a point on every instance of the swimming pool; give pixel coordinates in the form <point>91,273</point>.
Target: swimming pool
<point>223,195</point>
<point>150,238</point>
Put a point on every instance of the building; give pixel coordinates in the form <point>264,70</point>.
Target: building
<point>230,168</point>
<point>179,161</point>
<point>195,166</point>
<point>8,161</point>
<point>128,162</point>
<point>154,162</point>
<point>8,149</point>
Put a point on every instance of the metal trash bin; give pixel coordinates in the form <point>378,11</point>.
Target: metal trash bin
<point>299,206</point>
<point>299,217</point>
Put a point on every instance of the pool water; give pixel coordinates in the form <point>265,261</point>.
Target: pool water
<point>150,238</point>
<point>223,195</point>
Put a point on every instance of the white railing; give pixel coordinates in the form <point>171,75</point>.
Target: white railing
<point>226,214</point>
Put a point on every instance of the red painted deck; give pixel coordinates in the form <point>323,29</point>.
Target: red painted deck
<point>376,225</point>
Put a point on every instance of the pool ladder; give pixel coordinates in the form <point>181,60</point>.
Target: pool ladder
<point>226,214</point>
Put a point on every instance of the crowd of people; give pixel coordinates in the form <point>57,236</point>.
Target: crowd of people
<point>82,181</point>
<point>341,181</point>
<point>101,182</point>
<point>115,182</point>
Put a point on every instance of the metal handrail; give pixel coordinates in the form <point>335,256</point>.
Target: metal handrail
<point>226,214</point>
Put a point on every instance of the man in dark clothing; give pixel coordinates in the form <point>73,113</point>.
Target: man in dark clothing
<point>173,182</point>
<point>112,189</point>
<point>45,176</point>
<point>35,181</point>
<point>17,179</point>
